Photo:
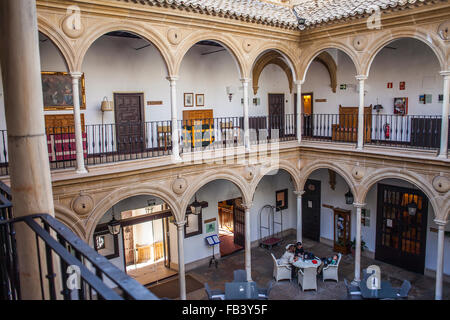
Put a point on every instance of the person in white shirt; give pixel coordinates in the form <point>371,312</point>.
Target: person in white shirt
<point>288,256</point>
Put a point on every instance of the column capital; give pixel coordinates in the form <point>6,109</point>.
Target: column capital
<point>440,223</point>
<point>172,78</point>
<point>245,80</point>
<point>76,75</point>
<point>359,205</point>
<point>247,206</point>
<point>361,77</point>
<point>299,82</point>
<point>445,73</point>
<point>299,193</point>
<point>180,224</point>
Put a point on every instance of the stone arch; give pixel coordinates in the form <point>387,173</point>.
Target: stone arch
<point>283,51</point>
<point>327,60</point>
<point>60,42</point>
<point>124,193</point>
<point>270,57</point>
<point>70,219</point>
<point>313,53</point>
<point>205,179</point>
<point>435,44</point>
<point>308,169</point>
<point>416,179</point>
<point>143,31</point>
<point>226,41</point>
<point>283,165</point>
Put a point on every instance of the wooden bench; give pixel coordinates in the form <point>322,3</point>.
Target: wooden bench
<point>347,129</point>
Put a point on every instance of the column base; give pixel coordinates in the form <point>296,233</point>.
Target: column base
<point>442,156</point>
<point>355,282</point>
<point>176,158</point>
<point>81,170</point>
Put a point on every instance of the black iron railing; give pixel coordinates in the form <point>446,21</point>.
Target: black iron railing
<point>110,143</point>
<point>68,267</point>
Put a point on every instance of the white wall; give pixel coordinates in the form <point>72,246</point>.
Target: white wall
<point>413,62</point>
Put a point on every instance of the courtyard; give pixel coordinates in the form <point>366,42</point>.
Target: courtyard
<point>422,286</point>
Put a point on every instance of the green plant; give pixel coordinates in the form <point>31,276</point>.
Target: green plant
<point>363,244</point>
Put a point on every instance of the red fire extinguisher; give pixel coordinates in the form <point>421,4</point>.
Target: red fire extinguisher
<point>387,130</point>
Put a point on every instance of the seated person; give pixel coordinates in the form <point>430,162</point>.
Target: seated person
<point>299,251</point>
<point>288,256</point>
<point>327,261</point>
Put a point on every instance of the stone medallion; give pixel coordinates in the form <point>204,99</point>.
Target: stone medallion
<point>179,185</point>
<point>249,172</point>
<point>82,204</point>
<point>71,23</point>
<point>443,30</point>
<point>174,36</point>
<point>247,45</point>
<point>441,184</point>
<point>358,172</point>
<point>359,43</point>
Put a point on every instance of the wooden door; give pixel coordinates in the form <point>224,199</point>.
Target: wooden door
<point>129,116</point>
<point>166,239</point>
<point>128,240</point>
<point>401,238</point>
<point>239,223</point>
<point>197,128</point>
<point>276,113</point>
<point>311,203</point>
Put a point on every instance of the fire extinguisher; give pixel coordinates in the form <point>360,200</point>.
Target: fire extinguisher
<point>387,130</point>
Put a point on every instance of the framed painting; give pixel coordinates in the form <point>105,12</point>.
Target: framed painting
<point>106,244</point>
<point>281,199</point>
<point>188,99</point>
<point>200,100</point>
<point>401,106</point>
<point>193,225</point>
<point>57,91</point>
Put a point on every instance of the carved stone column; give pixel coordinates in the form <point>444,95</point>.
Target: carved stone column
<point>445,112</point>
<point>248,242</point>
<point>181,267</point>
<point>299,215</point>
<point>361,79</point>
<point>27,144</point>
<point>440,258</point>
<point>299,110</point>
<point>77,122</point>
<point>245,82</point>
<point>174,119</point>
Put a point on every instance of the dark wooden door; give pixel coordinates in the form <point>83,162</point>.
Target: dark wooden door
<point>129,116</point>
<point>401,238</point>
<point>276,113</point>
<point>128,240</point>
<point>166,240</point>
<point>311,210</point>
<point>239,223</point>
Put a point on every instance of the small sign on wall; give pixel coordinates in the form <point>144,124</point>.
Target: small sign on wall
<point>154,103</point>
<point>343,87</point>
<point>390,85</point>
<point>402,85</point>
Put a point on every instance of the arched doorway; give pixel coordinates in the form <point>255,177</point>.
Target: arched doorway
<point>146,246</point>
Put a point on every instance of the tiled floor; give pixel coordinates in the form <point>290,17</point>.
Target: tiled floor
<point>422,287</point>
<point>151,273</point>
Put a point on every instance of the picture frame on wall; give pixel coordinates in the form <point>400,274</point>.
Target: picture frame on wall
<point>188,99</point>
<point>200,100</point>
<point>57,91</point>
<point>401,106</point>
<point>106,244</point>
<point>281,199</point>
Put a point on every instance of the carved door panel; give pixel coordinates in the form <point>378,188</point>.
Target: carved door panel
<point>239,223</point>
<point>128,241</point>
<point>276,114</point>
<point>130,126</point>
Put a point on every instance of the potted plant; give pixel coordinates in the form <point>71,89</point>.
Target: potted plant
<point>353,246</point>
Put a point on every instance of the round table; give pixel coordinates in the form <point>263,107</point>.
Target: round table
<point>300,263</point>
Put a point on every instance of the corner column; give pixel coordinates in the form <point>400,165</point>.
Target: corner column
<point>440,258</point>
<point>181,267</point>
<point>299,215</point>
<point>245,82</point>
<point>248,248</point>
<point>77,121</point>
<point>299,110</point>
<point>358,206</point>
<point>174,118</point>
<point>443,150</point>
<point>27,144</point>
<point>361,79</point>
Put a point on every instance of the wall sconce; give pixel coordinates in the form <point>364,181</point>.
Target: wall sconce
<point>256,101</point>
<point>349,197</point>
<point>378,107</point>
<point>196,207</point>
<point>230,91</point>
<point>412,208</point>
<point>114,225</point>
<point>107,105</point>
